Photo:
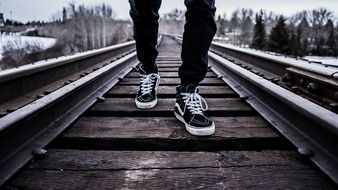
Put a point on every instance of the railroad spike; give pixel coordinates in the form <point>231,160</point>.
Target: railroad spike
<point>312,87</point>
<point>219,77</point>
<point>10,110</point>
<point>294,88</point>
<point>3,114</point>
<point>334,105</point>
<point>305,152</point>
<point>275,80</point>
<point>243,97</point>
<point>336,95</point>
<point>287,77</point>
<point>47,92</point>
<point>39,153</point>
<point>101,99</point>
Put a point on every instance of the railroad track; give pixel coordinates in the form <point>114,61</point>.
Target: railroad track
<point>314,81</point>
<point>258,144</point>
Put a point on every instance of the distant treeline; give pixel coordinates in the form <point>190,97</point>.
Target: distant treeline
<point>83,28</point>
<point>305,33</point>
<point>76,28</point>
<point>312,32</point>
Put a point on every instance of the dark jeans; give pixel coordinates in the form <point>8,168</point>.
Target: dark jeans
<point>199,31</point>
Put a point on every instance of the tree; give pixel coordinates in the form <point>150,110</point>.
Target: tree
<point>295,47</point>
<point>246,34</point>
<point>331,40</point>
<point>279,37</point>
<point>64,15</point>
<point>259,33</point>
<point>319,46</point>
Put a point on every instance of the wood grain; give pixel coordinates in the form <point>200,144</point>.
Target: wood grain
<point>165,106</point>
<point>170,170</point>
<point>170,92</point>
<point>160,133</point>
<point>168,75</point>
<point>173,81</point>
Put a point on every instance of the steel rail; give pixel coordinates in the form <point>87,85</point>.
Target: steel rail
<point>257,59</point>
<point>260,59</point>
<point>316,82</point>
<point>16,82</point>
<point>309,127</point>
<point>30,128</point>
<point>312,129</point>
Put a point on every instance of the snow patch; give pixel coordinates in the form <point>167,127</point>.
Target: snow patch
<point>333,61</point>
<point>18,41</point>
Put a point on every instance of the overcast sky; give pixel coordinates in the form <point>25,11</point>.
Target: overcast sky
<point>25,10</point>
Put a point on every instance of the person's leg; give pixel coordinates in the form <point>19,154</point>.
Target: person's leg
<point>199,31</point>
<point>145,17</point>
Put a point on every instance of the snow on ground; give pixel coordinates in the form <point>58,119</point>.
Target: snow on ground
<point>325,60</point>
<point>18,41</point>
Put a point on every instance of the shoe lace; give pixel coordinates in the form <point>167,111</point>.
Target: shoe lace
<point>194,102</point>
<point>147,82</point>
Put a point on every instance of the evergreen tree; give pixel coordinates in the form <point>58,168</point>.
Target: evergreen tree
<point>319,46</point>
<point>331,40</point>
<point>302,48</point>
<point>305,46</point>
<point>279,37</point>
<point>259,33</point>
<point>64,15</point>
<point>295,47</point>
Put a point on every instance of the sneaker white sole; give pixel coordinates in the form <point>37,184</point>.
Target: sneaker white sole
<point>145,105</point>
<point>205,131</point>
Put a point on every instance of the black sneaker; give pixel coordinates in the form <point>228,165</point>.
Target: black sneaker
<point>190,109</point>
<point>147,95</point>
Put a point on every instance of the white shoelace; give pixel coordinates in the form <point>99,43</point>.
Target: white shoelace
<point>194,102</point>
<point>147,82</point>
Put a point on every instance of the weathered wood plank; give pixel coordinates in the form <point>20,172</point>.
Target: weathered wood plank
<point>168,75</point>
<point>159,133</point>
<point>112,160</point>
<point>165,170</point>
<point>126,106</point>
<point>163,127</point>
<point>165,57</point>
<point>172,62</point>
<point>265,177</point>
<point>170,92</point>
<point>175,69</point>
<point>168,65</point>
<point>173,81</point>
<point>168,58</point>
